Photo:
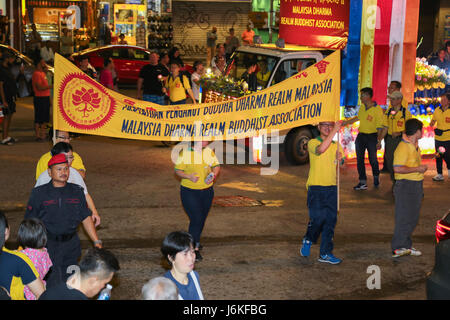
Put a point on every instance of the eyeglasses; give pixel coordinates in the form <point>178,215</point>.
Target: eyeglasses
<point>63,138</point>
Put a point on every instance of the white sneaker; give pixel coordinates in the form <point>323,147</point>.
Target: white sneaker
<point>438,177</point>
<point>415,252</point>
<point>401,252</point>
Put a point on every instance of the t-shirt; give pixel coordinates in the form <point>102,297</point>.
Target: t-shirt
<point>74,177</point>
<point>231,43</point>
<point>177,91</point>
<point>407,155</point>
<point>396,122</point>
<point>106,78</point>
<point>211,38</point>
<point>195,87</point>
<point>16,270</point>
<point>370,120</point>
<point>442,119</point>
<point>45,158</point>
<point>152,85</point>
<point>322,167</point>
<point>39,77</point>
<point>47,54</point>
<point>247,36</point>
<point>190,161</point>
<point>9,83</point>
<point>62,292</point>
<point>188,291</point>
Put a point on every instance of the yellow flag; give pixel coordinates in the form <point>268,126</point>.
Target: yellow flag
<point>83,105</point>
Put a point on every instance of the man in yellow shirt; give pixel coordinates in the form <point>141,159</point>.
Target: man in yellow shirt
<point>393,127</point>
<point>322,192</point>
<point>370,117</point>
<point>441,118</point>
<point>178,84</point>
<point>61,136</point>
<point>408,189</point>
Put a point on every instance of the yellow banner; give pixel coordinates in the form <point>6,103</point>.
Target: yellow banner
<point>82,105</point>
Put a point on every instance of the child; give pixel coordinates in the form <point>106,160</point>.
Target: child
<point>178,249</point>
<point>32,237</point>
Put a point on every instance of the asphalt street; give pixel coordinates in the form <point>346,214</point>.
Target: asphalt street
<point>250,252</point>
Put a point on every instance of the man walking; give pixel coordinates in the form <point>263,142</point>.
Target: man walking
<point>61,206</point>
<point>370,117</point>
<point>393,127</point>
<point>408,189</point>
<point>151,81</point>
<point>322,192</point>
<point>8,92</point>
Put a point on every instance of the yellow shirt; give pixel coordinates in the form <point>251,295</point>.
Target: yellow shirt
<point>190,161</point>
<point>407,155</point>
<point>396,122</point>
<point>263,77</point>
<point>370,120</point>
<point>442,119</point>
<point>176,90</point>
<point>322,168</point>
<point>43,163</point>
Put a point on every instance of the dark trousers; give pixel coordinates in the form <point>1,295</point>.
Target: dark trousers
<point>63,255</point>
<point>196,203</point>
<point>322,205</point>
<point>445,156</point>
<point>366,141</point>
<point>408,200</point>
<point>389,149</point>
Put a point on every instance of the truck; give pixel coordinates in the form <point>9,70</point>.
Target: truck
<point>276,64</point>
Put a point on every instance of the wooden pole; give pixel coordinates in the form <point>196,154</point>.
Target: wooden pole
<point>337,170</point>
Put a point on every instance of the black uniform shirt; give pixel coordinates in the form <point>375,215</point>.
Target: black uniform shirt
<point>60,209</point>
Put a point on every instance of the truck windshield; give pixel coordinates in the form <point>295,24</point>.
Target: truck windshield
<point>241,62</point>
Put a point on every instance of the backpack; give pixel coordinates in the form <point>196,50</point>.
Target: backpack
<point>180,75</point>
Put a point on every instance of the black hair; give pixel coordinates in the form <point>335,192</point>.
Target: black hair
<point>32,234</point>
<point>100,262</point>
<point>442,49</point>
<point>398,84</point>
<point>83,57</point>
<point>367,90</point>
<point>61,147</point>
<point>231,29</point>
<point>3,226</point>
<point>412,126</point>
<point>175,242</point>
<point>175,62</point>
<point>106,61</point>
<point>197,63</point>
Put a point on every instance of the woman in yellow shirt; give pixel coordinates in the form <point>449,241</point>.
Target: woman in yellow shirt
<point>198,168</point>
<point>441,118</point>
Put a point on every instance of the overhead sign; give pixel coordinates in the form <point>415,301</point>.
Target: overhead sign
<point>316,23</point>
<point>83,105</point>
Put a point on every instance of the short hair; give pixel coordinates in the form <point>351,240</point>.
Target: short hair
<point>412,126</point>
<point>175,62</point>
<point>61,147</point>
<point>84,57</point>
<point>368,91</point>
<point>3,226</point>
<point>441,49</point>
<point>445,94</point>
<point>160,288</point>
<point>107,61</point>
<point>398,84</point>
<point>197,63</point>
<point>231,29</point>
<point>99,263</point>
<point>174,242</point>
<point>32,234</point>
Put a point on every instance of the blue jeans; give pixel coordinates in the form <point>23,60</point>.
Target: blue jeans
<point>154,98</point>
<point>322,205</point>
<point>196,203</point>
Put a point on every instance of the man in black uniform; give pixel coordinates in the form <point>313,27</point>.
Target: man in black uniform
<point>61,206</point>
<point>151,81</point>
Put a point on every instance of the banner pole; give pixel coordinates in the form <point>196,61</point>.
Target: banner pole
<point>337,170</point>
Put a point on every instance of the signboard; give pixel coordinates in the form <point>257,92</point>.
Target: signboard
<point>315,23</point>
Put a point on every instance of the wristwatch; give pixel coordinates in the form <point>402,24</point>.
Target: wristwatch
<point>98,242</point>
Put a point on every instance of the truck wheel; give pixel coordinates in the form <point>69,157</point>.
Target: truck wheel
<point>296,146</point>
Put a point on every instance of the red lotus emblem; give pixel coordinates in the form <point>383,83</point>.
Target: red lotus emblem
<point>89,98</point>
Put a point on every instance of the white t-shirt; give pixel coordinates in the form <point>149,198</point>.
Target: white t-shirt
<point>195,87</point>
<point>74,177</point>
<point>47,54</point>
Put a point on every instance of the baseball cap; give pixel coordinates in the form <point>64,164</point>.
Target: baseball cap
<point>395,95</point>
